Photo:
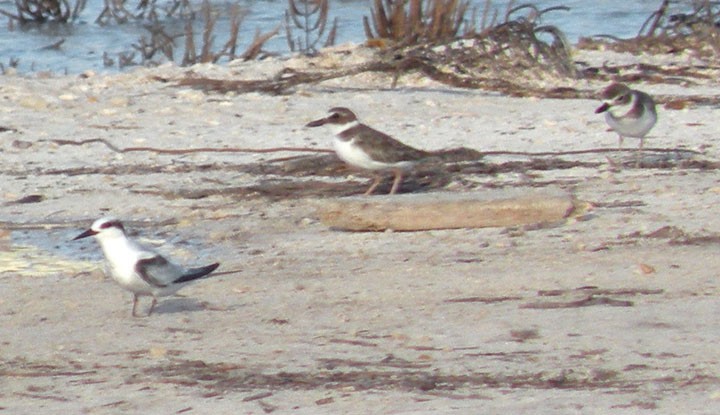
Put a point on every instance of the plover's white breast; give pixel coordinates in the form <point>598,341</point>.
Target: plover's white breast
<point>349,150</point>
<point>351,153</point>
<point>625,121</point>
<point>631,127</point>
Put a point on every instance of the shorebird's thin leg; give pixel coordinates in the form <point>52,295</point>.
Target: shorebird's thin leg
<point>152,306</point>
<point>374,185</point>
<point>638,154</point>
<point>396,182</point>
<point>613,165</point>
<point>135,303</point>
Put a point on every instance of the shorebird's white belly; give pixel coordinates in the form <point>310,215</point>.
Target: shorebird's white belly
<point>355,156</point>
<point>631,127</point>
<point>121,260</point>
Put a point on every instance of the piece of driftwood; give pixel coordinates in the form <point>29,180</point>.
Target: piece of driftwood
<point>445,210</point>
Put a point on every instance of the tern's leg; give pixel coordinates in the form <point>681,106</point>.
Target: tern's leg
<point>396,182</point>
<point>135,303</point>
<point>620,141</point>
<point>152,306</point>
<point>374,185</point>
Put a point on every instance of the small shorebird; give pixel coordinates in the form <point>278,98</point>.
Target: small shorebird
<point>137,268</point>
<point>367,148</point>
<point>629,112</point>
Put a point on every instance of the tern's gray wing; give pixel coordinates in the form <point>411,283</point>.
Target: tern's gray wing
<point>158,271</point>
<point>195,273</point>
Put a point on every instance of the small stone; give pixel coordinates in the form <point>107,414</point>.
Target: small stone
<point>33,102</point>
<point>21,144</point>
<point>119,101</point>
<point>191,96</point>
<point>646,269</point>
<point>157,352</point>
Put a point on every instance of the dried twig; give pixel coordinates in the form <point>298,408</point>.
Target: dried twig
<point>255,48</point>
<point>602,291</point>
<point>587,301</point>
<point>114,11</point>
<point>310,17</point>
<point>186,150</point>
<point>483,300</point>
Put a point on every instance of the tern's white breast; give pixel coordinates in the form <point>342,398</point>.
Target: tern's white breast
<point>121,255</point>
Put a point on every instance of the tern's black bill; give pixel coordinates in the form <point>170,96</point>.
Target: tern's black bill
<point>85,234</point>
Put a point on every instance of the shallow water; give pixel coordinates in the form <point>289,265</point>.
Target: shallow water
<point>86,42</point>
<point>41,252</point>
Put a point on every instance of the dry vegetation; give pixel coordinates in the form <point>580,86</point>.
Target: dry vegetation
<point>311,17</point>
<point>410,27</point>
<point>518,49</point>
<point>160,43</point>
<point>41,11</point>
<point>510,55</point>
<point>447,40</point>
<point>416,21</point>
<point>695,32</point>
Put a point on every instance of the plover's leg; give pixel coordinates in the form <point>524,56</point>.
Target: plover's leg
<point>152,306</point>
<point>374,185</point>
<point>396,182</point>
<point>135,303</point>
<point>638,153</point>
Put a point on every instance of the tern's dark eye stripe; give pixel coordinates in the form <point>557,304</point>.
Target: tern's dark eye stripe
<point>112,224</point>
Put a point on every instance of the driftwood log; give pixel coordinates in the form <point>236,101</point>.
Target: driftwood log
<point>417,212</point>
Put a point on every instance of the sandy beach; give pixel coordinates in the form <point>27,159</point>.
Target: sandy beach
<point>609,311</point>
